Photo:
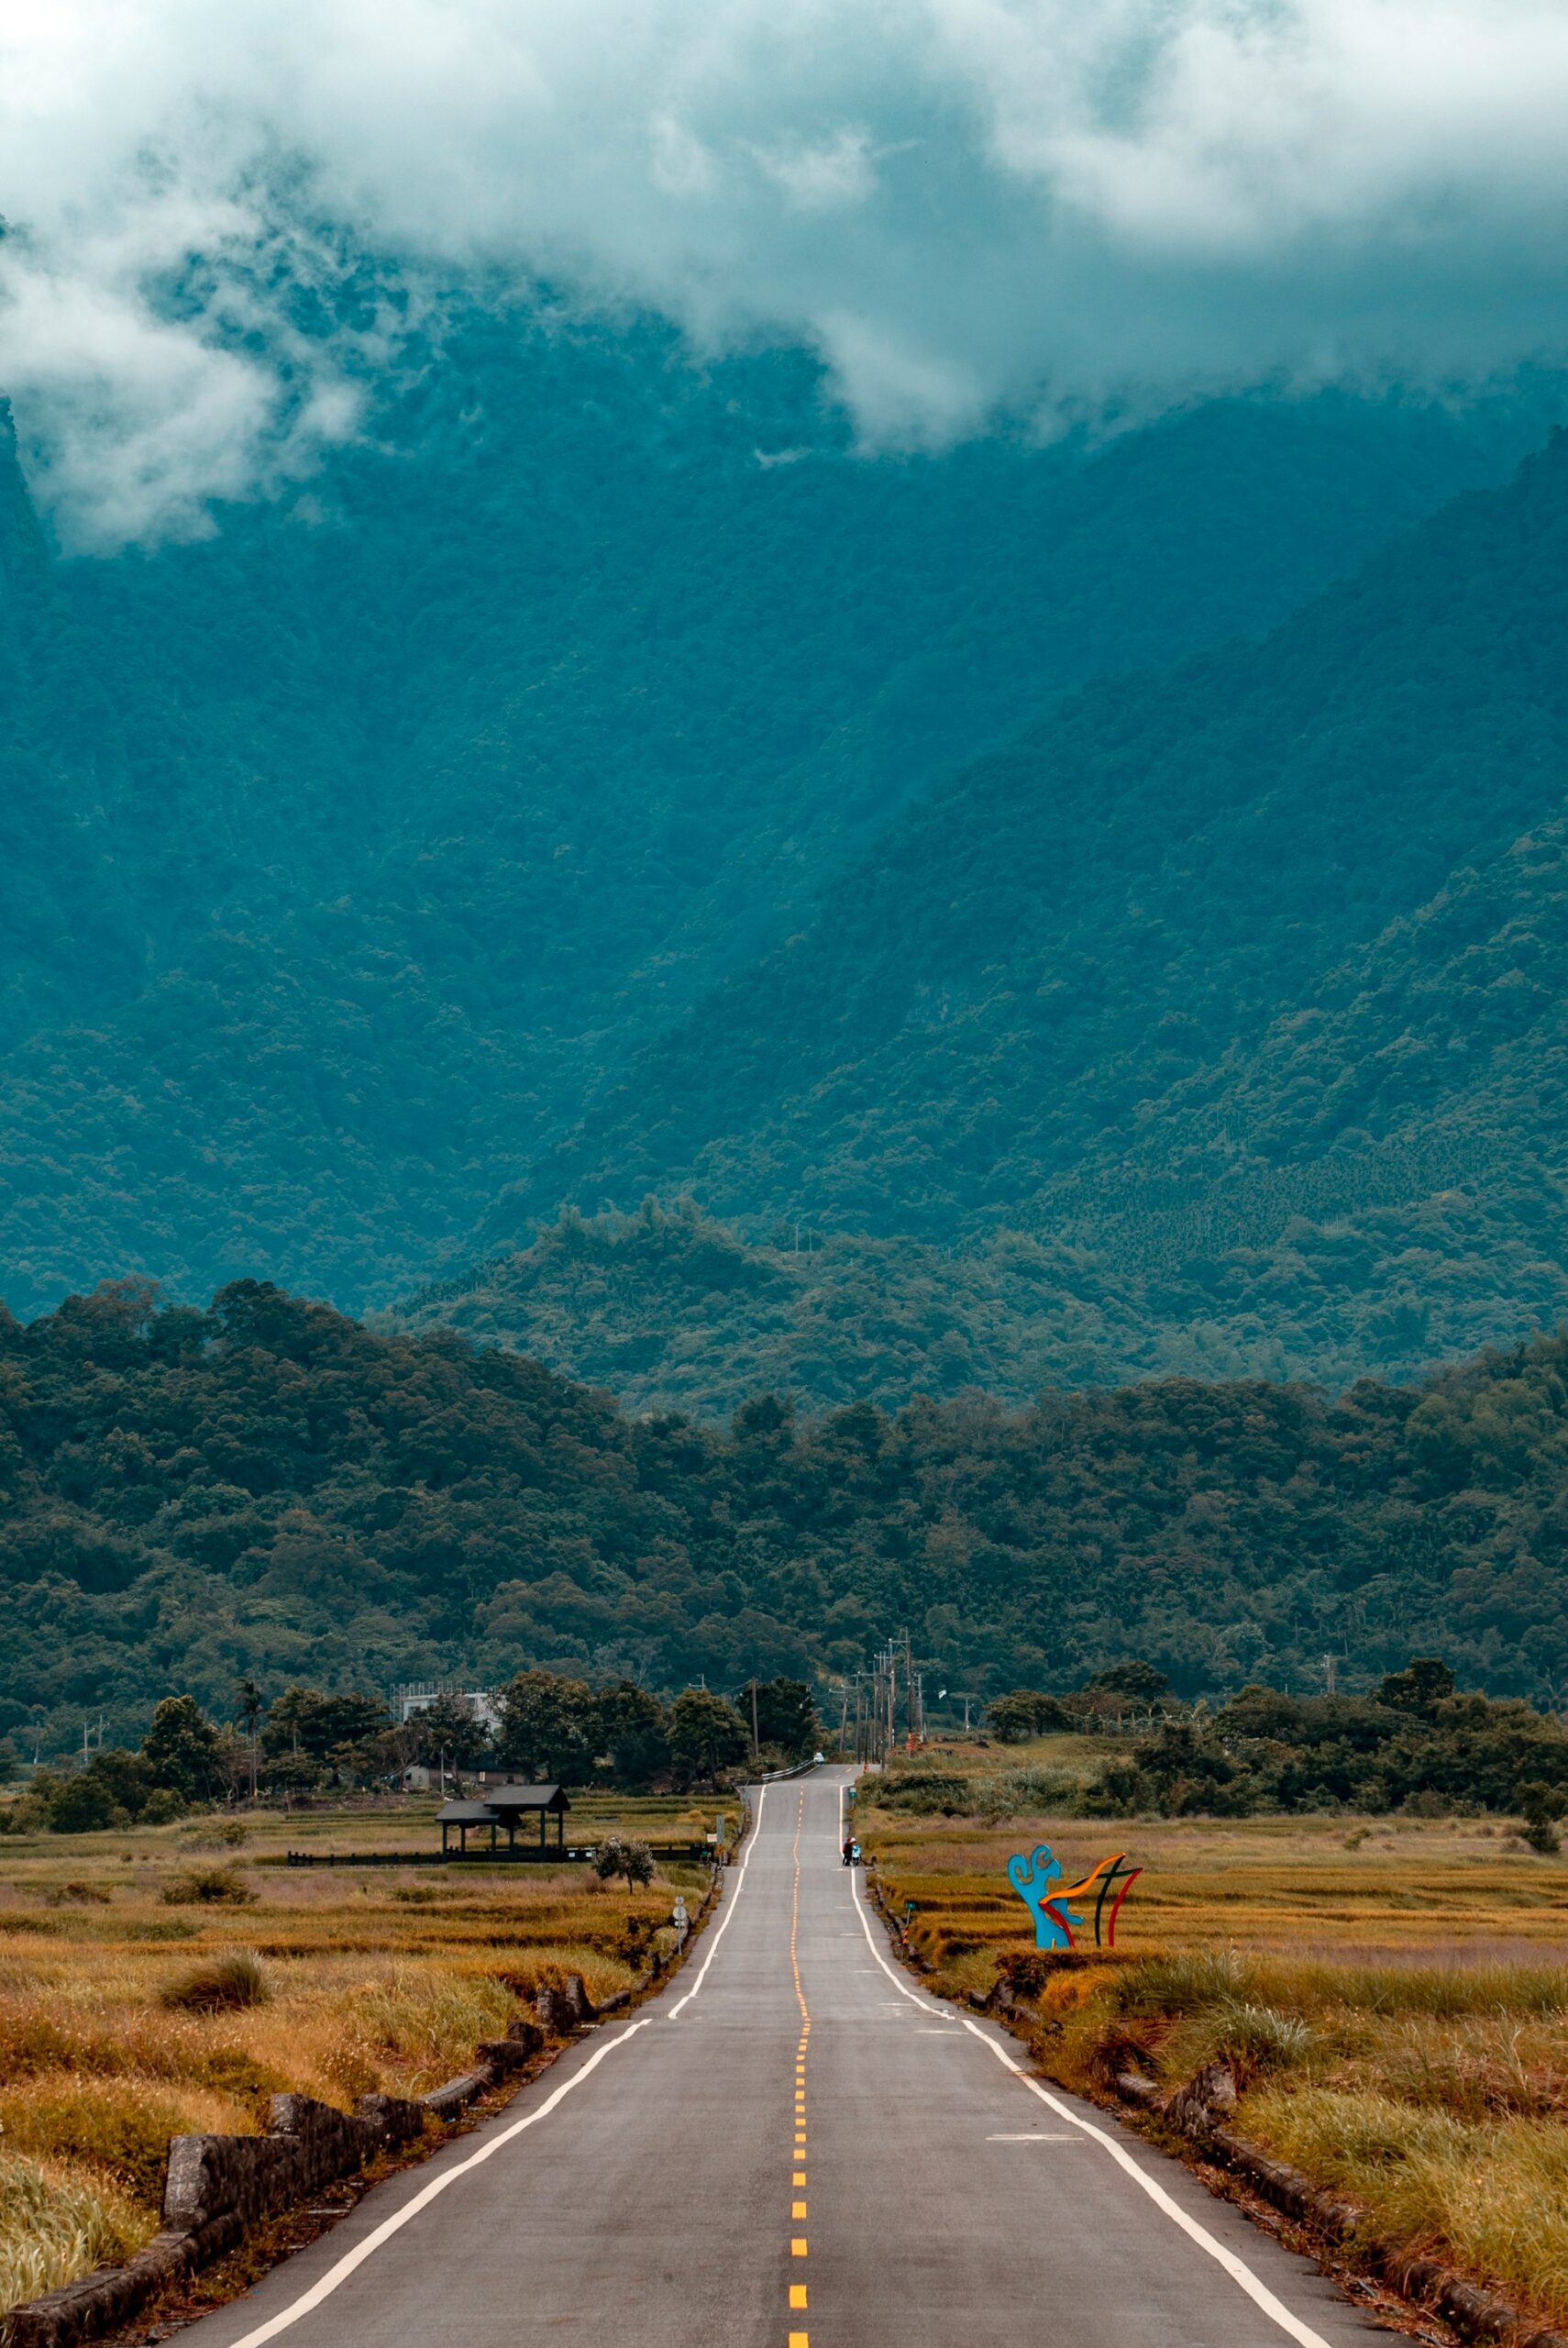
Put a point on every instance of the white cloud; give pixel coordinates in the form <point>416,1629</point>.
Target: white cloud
<point>960,203</point>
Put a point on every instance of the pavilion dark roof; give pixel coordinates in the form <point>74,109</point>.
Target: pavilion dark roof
<point>502,1799</point>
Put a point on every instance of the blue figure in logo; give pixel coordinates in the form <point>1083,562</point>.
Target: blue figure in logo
<point>1031,1878</point>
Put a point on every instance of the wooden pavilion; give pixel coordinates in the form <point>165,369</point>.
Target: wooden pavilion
<point>504,1809</point>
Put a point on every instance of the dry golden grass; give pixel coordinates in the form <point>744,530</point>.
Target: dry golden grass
<point>373,1977</point>
<point>55,2226</point>
<point>1393,1994</point>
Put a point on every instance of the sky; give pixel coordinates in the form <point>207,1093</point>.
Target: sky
<point>1071,211</point>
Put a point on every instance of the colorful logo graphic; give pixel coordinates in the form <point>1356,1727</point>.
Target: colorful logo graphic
<point>1034,1878</point>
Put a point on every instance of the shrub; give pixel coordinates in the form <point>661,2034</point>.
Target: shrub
<point>79,1895</point>
<point>206,1887</point>
<point>235,1979</point>
<point>1023,1791</point>
<point>1028,1712</point>
<point>929,1793</point>
<point>85,1805</point>
<point>622,1855</point>
<point>1542,1804</point>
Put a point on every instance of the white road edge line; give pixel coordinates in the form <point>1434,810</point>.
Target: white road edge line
<point>308,2301</point>
<point>734,1898</point>
<point>1237,2268</point>
<point>312,2299</point>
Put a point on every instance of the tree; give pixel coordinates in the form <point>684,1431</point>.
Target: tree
<point>623,1856</point>
<point>1540,1806</point>
<point>706,1734</point>
<point>548,1727</point>
<point>1028,1712</point>
<point>180,1749</point>
<point>785,1717</point>
<point>1138,1680</point>
<point>633,1733</point>
<point>292,1774</point>
<point>306,1720</point>
<point>84,1805</point>
<point>447,1736</point>
<point>1420,1688</point>
<point>251,1709</point>
<point>126,1777</point>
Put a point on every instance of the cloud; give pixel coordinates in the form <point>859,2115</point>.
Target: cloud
<point>962,204</point>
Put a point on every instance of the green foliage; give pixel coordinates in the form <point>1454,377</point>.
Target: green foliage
<point>84,1806</point>
<point>786,1718</point>
<point>1424,1684</point>
<point>1266,1751</point>
<point>303,1719</point>
<point>1540,1806</point>
<point>707,1736</point>
<point>1240,990</point>
<point>633,1733</point>
<point>446,1734</point>
<point>115,1789</point>
<point>179,1751</point>
<point>312,1496</point>
<point>928,1792</point>
<point>621,1855</point>
<point>1027,1712</point>
<point>345,854</point>
<point>549,1727</point>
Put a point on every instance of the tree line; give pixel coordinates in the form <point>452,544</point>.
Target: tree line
<point>311,1741</point>
<point>1416,1741</point>
<point>271,1491</point>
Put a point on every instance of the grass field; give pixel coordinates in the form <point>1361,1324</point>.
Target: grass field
<point>1392,1993</point>
<point>165,1980</point>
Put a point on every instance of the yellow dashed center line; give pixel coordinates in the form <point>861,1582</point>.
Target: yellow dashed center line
<point>798,2174</point>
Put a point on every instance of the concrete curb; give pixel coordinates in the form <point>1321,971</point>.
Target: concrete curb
<point>218,2186</point>
<point>1346,2225</point>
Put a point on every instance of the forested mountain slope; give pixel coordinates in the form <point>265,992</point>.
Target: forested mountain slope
<point>269,1488</point>
<point>1242,980</point>
<point>345,854</point>
<point>669,1309</point>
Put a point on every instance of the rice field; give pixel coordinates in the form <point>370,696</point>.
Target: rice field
<point>168,1980</point>
<point>1391,1992</point>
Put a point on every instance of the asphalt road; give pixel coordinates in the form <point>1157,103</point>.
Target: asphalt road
<point>793,2147</point>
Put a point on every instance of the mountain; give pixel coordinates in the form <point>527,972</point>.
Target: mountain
<point>349,855</point>
<point>270,1489</point>
<point>1241,982</point>
<point>669,1309</point>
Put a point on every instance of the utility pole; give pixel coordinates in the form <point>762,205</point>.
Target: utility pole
<point>756,1740</point>
<point>1328,1673</point>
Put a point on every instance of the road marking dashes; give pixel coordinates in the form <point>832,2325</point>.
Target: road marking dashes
<point>798,2174</point>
